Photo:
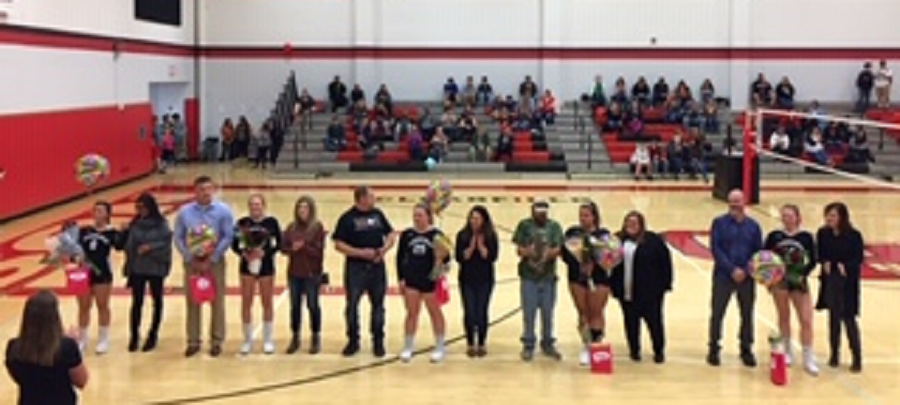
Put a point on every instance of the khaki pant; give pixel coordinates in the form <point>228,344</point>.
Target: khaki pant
<point>194,314</point>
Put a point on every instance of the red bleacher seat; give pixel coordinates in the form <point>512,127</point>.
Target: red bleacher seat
<point>350,156</point>
<point>531,157</point>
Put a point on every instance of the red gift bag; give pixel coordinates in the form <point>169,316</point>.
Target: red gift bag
<point>203,288</point>
<point>78,281</point>
<point>442,292</point>
<point>601,358</point>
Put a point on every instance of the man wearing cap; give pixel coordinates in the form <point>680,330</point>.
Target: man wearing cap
<point>538,242</point>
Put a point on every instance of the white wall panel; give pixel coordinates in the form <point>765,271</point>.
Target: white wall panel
<point>46,79</point>
<point>632,23</point>
<point>274,22</point>
<point>460,23</point>
<point>100,17</point>
<point>825,23</point>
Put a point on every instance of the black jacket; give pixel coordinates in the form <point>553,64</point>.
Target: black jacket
<point>652,271</point>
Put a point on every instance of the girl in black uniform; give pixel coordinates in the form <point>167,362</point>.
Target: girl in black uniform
<point>98,241</point>
<point>416,261</point>
<point>782,241</point>
<point>588,282</point>
<point>257,221</point>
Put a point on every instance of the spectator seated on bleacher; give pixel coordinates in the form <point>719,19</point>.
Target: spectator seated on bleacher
<point>451,90</point>
<point>383,98</point>
<point>816,150</point>
<point>780,141</point>
<point>597,96</point>
<point>305,105</point>
<point>470,92</point>
<point>438,146</point>
<point>504,145</point>
<point>335,137</point>
<point>480,149</point>
<point>416,144</point>
<point>428,123</point>
<point>784,94</point>
<point>658,158</point>
<point>660,92</point>
<point>707,92</point>
<point>816,110</point>
<point>467,126</point>
<point>674,157</point>
<point>694,155</point>
<point>859,148</point>
<point>401,126</point>
<point>761,91</point>
<point>528,90</point>
<point>640,92</point>
<point>548,108</point>
<point>449,120</point>
<point>620,93</point>
<point>693,119</point>
<point>711,116</point>
<point>524,117</point>
<point>359,115</point>
<point>357,94</point>
<point>615,118</point>
<point>633,122</point>
<point>485,92</point>
<point>640,162</point>
<point>374,135</point>
<point>835,137</point>
<point>337,94</point>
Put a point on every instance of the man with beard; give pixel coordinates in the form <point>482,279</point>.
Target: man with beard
<point>538,242</point>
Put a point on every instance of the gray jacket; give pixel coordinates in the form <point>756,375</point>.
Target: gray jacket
<point>158,261</point>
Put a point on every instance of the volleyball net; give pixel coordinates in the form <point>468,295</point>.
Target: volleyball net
<point>814,146</point>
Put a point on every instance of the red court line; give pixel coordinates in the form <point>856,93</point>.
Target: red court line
<point>538,187</point>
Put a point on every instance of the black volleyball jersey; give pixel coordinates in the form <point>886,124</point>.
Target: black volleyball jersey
<point>777,239</point>
<point>98,246</point>
<point>415,252</point>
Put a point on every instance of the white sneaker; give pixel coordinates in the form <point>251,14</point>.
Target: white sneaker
<point>437,356</point>
<point>406,355</point>
<point>809,364</point>
<point>268,347</point>
<point>82,343</point>
<point>102,347</point>
<point>788,358</point>
<point>246,347</point>
<point>584,357</point>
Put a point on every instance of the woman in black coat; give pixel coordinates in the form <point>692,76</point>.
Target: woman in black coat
<point>641,282</point>
<point>841,252</point>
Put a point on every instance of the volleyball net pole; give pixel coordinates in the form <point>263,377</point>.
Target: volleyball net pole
<point>750,140</point>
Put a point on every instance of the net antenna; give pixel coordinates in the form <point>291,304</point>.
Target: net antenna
<point>753,142</point>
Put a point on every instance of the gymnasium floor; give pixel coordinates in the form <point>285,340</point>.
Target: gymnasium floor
<point>684,210</point>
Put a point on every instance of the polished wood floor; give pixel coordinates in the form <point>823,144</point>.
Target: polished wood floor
<point>684,210</point>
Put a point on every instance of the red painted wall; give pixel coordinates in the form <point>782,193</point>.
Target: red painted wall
<point>192,121</point>
<point>38,152</point>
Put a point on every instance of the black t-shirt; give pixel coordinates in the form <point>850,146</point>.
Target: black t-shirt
<point>762,89</point>
<point>98,245</point>
<point>362,229</point>
<point>415,253</point>
<point>578,232</point>
<point>778,239</point>
<point>39,385</point>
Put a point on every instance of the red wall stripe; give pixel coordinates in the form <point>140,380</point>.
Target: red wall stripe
<point>38,152</point>
<point>39,37</point>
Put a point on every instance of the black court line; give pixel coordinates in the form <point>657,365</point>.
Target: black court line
<point>259,389</point>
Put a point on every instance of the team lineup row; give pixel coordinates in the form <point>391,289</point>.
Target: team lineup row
<point>364,235</point>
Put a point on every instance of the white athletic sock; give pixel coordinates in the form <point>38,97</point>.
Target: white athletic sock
<point>248,332</point>
<point>408,342</point>
<point>439,342</point>
<point>103,333</point>
<point>267,332</point>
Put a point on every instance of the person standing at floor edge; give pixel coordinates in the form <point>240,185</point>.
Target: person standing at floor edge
<point>734,239</point>
<point>841,254</point>
<point>304,244</point>
<point>538,241</point>
<point>477,249</point>
<point>205,210</point>
<point>363,234</point>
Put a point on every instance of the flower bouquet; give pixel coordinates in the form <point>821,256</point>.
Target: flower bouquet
<point>201,241</point>
<point>252,240</point>
<point>442,248</point>
<point>64,248</point>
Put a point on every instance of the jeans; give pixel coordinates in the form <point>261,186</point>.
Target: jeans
<point>308,286</point>
<point>476,300</point>
<point>722,291</point>
<point>371,279</point>
<point>538,296</point>
<point>863,101</point>
<point>138,285</point>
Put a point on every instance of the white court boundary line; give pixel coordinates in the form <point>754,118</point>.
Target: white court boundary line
<point>830,170</point>
<point>823,117</point>
<point>849,385</point>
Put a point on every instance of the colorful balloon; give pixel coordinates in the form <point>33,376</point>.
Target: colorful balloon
<point>767,268</point>
<point>439,196</point>
<point>91,169</point>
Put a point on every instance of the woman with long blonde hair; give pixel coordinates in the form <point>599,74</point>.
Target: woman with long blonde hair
<point>303,243</point>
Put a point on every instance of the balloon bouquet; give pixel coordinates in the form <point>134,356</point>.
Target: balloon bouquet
<point>767,268</point>
<point>91,169</point>
<point>438,197</point>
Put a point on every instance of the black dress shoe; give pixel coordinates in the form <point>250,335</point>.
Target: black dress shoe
<point>149,344</point>
<point>748,359</point>
<point>350,349</point>
<point>134,343</point>
<point>378,349</point>
<point>215,350</point>
<point>293,346</point>
<point>635,357</point>
<point>659,358</point>
<point>713,359</point>
<point>191,351</point>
